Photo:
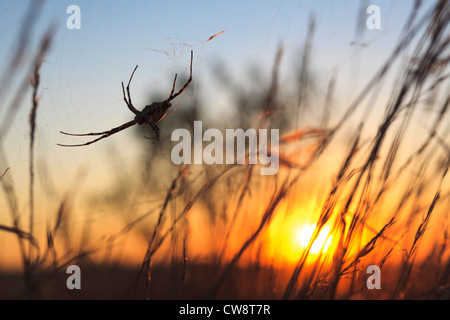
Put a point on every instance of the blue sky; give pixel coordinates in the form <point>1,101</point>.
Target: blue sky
<point>80,78</point>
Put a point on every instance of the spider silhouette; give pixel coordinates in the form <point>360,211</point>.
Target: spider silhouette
<point>150,115</point>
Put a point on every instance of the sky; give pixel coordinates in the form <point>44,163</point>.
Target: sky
<point>81,75</point>
<point>80,78</point>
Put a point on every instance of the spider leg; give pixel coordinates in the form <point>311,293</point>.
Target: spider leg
<point>155,129</point>
<point>173,87</point>
<point>128,102</point>
<point>104,134</point>
<point>173,96</point>
<point>84,144</point>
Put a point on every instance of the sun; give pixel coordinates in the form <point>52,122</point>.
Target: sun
<point>321,244</point>
<point>288,239</point>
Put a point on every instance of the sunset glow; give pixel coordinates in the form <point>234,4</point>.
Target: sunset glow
<point>322,243</point>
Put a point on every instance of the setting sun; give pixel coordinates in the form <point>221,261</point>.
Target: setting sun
<point>289,238</point>
<point>322,242</point>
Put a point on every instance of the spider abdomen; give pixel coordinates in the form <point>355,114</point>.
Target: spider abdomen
<point>153,112</point>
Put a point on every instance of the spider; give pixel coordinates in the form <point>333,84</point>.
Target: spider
<point>150,115</point>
